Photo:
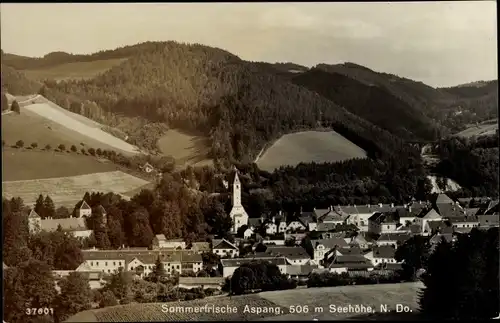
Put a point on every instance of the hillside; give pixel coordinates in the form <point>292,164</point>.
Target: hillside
<point>306,147</point>
<point>367,95</point>
<point>45,123</point>
<point>16,83</point>
<point>239,105</point>
<point>368,295</point>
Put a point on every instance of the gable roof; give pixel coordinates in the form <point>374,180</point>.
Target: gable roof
<point>471,211</point>
<point>33,214</point>
<point>324,227</point>
<point>289,252</point>
<point>464,219</point>
<point>224,244</point>
<point>350,251</point>
<point>450,210</point>
<point>161,237</point>
<point>67,224</point>
<point>444,199</point>
<point>387,252</point>
<point>300,270</point>
<point>429,215</point>
<point>385,218</point>
<point>437,225</point>
<point>84,206</point>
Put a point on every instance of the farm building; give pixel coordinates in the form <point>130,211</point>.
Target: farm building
<point>294,255</point>
<point>381,254</point>
<point>341,264</point>
<point>224,248</point>
<point>200,247</point>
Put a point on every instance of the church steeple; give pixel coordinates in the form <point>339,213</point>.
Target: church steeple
<point>236,190</point>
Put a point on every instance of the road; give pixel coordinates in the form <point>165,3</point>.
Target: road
<point>21,102</point>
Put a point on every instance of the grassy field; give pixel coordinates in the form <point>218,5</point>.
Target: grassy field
<point>186,149</point>
<point>68,190</point>
<point>279,302</point>
<point>32,127</point>
<point>484,129</point>
<point>23,164</point>
<point>309,146</point>
<point>73,71</point>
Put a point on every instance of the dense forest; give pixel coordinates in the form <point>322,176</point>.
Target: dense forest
<point>472,163</point>
<point>239,104</point>
<point>16,83</point>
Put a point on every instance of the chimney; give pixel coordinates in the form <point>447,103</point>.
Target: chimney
<point>409,209</point>
<point>331,208</point>
<point>274,219</point>
<point>392,204</point>
<point>279,212</point>
<point>261,219</point>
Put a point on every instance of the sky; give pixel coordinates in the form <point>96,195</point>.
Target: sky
<point>438,43</point>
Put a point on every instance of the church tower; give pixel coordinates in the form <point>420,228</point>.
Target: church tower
<point>238,214</point>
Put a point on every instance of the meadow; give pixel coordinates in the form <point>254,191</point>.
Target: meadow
<point>68,190</point>
<point>73,71</point>
<point>483,129</point>
<point>186,149</point>
<point>309,146</point>
<point>374,295</point>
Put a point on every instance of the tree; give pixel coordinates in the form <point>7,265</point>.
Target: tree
<point>15,107</point>
<point>414,253</point>
<point>139,231</point>
<point>14,295</point>
<point>98,151</point>
<point>75,296</point>
<point>19,144</point>
<point>73,148</point>
<point>48,147</point>
<point>5,102</point>
<point>61,147</point>
<point>91,151</point>
<point>49,207</point>
<point>83,151</point>
<point>472,290</point>
<point>119,284</point>
<point>34,145</point>
<point>40,206</point>
<point>62,212</point>
<point>38,284</point>
<point>108,299</point>
<point>15,238</point>
<point>159,273</point>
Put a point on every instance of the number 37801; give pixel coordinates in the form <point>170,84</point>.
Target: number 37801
<point>40,311</point>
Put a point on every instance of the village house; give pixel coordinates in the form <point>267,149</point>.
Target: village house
<point>161,242</point>
<point>381,255</point>
<point>147,167</point>
<point>380,223</point>
<point>224,248</point>
<point>392,239</point>
<point>271,227</point>
<point>77,227</point>
<point>427,215</point>
<point>294,226</point>
<point>331,215</point>
<point>438,237</point>
<point>82,209</point>
<point>488,221</point>
<point>438,227</point>
<point>230,265</point>
<point>294,255</point>
<point>180,261</point>
<point>467,222</point>
<point>238,214</point>
<point>358,241</point>
<point>300,272</point>
<point>359,214</point>
<point>201,282</point>
<point>308,219</point>
<point>349,263</point>
<point>323,246</point>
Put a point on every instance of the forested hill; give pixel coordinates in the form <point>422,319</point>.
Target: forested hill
<point>241,105</point>
<point>16,83</point>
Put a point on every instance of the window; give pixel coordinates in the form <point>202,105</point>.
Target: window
<point>91,263</point>
<point>114,263</point>
<point>132,268</point>
<point>97,263</point>
<point>106,263</point>
<point>109,271</point>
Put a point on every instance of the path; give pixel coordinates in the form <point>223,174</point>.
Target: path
<point>21,102</point>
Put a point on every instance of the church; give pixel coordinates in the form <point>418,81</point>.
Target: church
<point>238,214</point>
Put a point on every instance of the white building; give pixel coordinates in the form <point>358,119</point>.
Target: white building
<point>224,248</point>
<point>294,255</point>
<point>161,242</point>
<point>83,210</point>
<point>423,218</point>
<point>382,255</point>
<point>324,246</point>
<point>248,233</point>
<point>380,223</point>
<point>238,214</point>
<point>77,227</point>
